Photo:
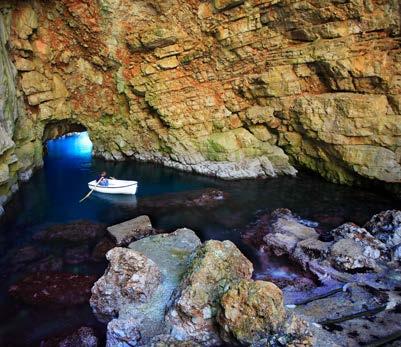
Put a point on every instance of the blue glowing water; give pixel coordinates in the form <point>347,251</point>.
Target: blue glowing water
<point>52,196</point>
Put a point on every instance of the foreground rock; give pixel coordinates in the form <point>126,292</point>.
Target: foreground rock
<point>171,290</point>
<point>53,289</point>
<point>131,277</point>
<point>78,231</point>
<point>140,314</point>
<point>251,310</point>
<point>356,273</point>
<point>216,265</point>
<point>131,230</point>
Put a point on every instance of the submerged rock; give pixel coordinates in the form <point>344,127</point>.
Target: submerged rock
<point>251,310</point>
<point>48,264</point>
<point>131,277</point>
<point>215,267</point>
<point>131,230</point>
<point>47,289</point>
<point>25,254</point>
<point>206,198</point>
<point>83,337</point>
<point>77,255</point>
<point>74,232</point>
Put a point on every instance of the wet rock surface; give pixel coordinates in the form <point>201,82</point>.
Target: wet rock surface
<point>355,298</point>
<point>57,289</point>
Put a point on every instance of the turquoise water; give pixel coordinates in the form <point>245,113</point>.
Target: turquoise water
<point>52,196</point>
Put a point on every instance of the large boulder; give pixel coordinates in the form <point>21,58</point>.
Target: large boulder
<point>216,266</point>
<point>167,257</point>
<point>251,310</point>
<point>131,230</point>
<point>131,277</point>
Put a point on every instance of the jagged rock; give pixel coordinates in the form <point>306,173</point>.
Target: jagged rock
<point>78,231</point>
<point>355,249</point>
<point>386,226</point>
<point>123,333</point>
<point>131,277</point>
<point>61,289</point>
<point>139,322</point>
<point>250,310</point>
<point>293,333</point>
<point>131,230</point>
<point>286,231</point>
<point>216,265</point>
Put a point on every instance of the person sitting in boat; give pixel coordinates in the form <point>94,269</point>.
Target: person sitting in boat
<point>102,179</point>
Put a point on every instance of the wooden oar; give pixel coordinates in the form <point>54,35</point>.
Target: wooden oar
<point>88,195</point>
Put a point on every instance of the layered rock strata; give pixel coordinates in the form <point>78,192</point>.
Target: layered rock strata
<point>226,88</point>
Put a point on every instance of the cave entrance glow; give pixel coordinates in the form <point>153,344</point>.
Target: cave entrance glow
<point>72,145</point>
<point>66,139</point>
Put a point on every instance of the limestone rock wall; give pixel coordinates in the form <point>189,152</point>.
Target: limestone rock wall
<point>232,88</point>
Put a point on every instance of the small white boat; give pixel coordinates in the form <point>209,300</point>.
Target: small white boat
<point>115,187</point>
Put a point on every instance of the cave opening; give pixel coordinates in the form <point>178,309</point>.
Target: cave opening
<point>66,139</point>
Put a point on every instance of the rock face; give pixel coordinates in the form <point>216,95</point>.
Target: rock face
<point>226,88</point>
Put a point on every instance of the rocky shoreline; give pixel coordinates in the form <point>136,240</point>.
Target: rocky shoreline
<point>172,290</point>
<point>165,288</point>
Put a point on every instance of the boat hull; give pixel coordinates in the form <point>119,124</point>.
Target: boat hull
<point>115,187</point>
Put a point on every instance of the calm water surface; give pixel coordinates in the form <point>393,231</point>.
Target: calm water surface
<point>52,196</point>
